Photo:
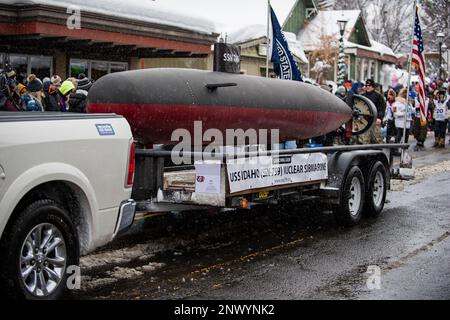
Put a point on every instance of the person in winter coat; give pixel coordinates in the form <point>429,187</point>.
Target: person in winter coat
<point>389,116</point>
<point>440,119</point>
<point>402,109</point>
<point>420,128</point>
<point>374,135</point>
<point>341,92</point>
<point>52,99</point>
<point>78,99</point>
<point>67,87</point>
<point>376,98</point>
<point>57,97</point>
<point>13,93</point>
<point>33,99</point>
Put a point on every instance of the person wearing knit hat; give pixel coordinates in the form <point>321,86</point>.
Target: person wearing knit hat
<point>35,85</point>
<point>341,92</point>
<point>84,84</point>
<point>67,87</point>
<point>78,99</point>
<point>56,97</point>
<point>52,99</point>
<point>10,73</point>
<point>56,80</point>
<point>33,99</point>
<point>46,83</point>
<point>20,89</point>
<point>14,99</point>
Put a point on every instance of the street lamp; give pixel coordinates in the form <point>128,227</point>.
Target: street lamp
<point>440,36</point>
<point>341,61</point>
<point>444,50</point>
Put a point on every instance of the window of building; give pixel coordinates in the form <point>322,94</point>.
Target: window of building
<point>20,64</point>
<point>78,66</point>
<point>118,67</point>
<point>41,66</point>
<point>98,69</point>
<point>95,69</point>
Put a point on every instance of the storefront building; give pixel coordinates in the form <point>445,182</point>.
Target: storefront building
<point>36,38</point>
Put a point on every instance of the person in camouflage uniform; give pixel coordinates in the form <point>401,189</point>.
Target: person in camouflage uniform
<point>373,135</point>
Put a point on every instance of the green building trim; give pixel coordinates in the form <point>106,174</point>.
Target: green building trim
<point>298,15</point>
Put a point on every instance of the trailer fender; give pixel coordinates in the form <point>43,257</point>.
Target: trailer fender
<point>340,163</point>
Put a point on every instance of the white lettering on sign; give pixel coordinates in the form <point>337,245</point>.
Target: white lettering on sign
<point>231,57</point>
<point>264,172</point>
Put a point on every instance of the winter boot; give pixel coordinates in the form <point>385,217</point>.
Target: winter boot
<point>442,143</point>
<point>436,142</point>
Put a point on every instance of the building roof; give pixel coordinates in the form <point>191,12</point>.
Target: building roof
<point>376,47</point>
<point>326,24</point>
<point>355,35</point>
<point>139,10</point>
<point>259,31</point>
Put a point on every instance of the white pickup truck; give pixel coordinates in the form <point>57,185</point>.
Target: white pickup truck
<point>65,187</point>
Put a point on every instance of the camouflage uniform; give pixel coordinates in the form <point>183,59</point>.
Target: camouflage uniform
<point>372,136</point>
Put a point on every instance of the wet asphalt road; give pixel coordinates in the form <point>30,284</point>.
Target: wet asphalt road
<point>294,252</point>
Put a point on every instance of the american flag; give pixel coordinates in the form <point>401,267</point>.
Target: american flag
<point>419,60</point>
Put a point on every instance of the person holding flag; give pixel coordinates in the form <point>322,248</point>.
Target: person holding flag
<point>418,60</point>
<point>285,66</point>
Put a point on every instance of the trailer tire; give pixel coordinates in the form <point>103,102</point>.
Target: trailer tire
<point>376,190</point>
<point>348,213</point>
<point>39,247</point>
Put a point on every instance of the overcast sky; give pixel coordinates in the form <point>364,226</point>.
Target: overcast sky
<point>229,15</point>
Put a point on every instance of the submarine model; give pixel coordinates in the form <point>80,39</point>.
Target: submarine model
<point>156,102</point>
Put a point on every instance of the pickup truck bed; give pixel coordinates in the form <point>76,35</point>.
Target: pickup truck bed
<point>66,177</point>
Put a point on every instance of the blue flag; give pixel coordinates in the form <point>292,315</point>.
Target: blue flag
<point>284,63</point>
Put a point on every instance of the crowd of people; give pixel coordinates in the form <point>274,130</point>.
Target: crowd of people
<point>394,105</point>
<point>48,94</point>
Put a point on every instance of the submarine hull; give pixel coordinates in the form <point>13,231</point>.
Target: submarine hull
<point>156,102</point>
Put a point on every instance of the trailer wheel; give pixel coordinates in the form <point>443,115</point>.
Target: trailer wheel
<point>376,190</point>
<point>38,249</point>
<point>350,209</point>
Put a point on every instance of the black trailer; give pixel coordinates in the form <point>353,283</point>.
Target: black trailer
<point>352,179</point>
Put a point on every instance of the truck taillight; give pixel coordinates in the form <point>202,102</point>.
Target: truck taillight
<point>131,167</point>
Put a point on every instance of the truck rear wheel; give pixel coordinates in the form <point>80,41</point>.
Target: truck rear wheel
<point>37,250</point>
<point>376,190</point>
<point>349,211</point>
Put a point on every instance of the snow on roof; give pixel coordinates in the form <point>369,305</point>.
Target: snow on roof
<point>296,47</point>
<point>258,31</point>
<point>381,48</point>
<point>249,33</point>
<point>141,10</point>
<point>376,47</point>
<point>326,24</point>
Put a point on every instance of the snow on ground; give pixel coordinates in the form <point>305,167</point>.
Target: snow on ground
<point>140,252</point>
<point>119,273</point>
<point>421,174</point>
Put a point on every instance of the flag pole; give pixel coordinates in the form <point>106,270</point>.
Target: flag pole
<point>268,38</point>
<point>409,75</point>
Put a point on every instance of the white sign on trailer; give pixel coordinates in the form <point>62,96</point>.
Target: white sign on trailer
<point>207,176</point>
<point>265,172</point>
